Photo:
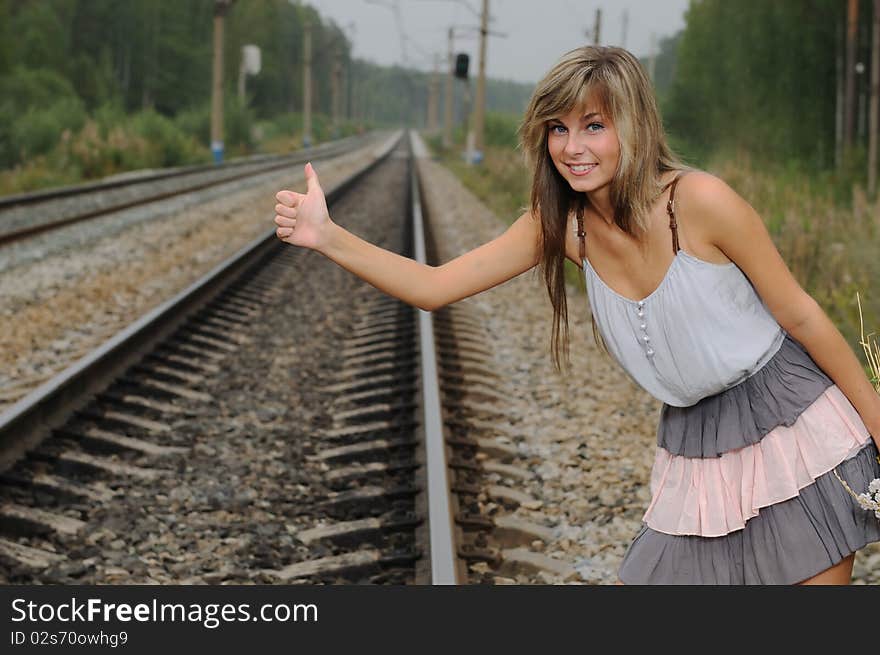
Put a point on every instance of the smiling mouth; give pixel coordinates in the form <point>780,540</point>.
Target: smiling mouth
<point>581,169</point>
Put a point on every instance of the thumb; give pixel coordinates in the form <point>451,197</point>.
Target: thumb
<point>311,179</point>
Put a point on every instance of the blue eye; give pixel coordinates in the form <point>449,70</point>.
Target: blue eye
<point>557,129</point>
<point>598,125</point>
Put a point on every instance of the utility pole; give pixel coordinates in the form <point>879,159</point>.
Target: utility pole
<point>861,128</point>
<point>242,75</point>
<point>874,113</point>
<point>345,85</point>
<point>597,27</point>
<point>151,73</point>
<point>852,17</point>
<point>220,9</point>
<point>434,95</point>
<point>335,90</point>
<point>347,90</point>
<point>447,95</point>
<point>475,114</point>
<point>652,59</point>
<point>625,28</point>
<point>354,99</point>
<point>480,104</point>
<point>839,64</point>
<point>307,82</point>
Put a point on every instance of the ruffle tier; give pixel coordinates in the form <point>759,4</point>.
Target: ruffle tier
<point>742,415</point>
<point>716,496</point>
<point>786,543</point>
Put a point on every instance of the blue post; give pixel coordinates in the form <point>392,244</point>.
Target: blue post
<point>217,151</point>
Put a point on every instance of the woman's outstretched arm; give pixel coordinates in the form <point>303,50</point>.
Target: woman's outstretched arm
<point>737,229</point>
<point>303,220</point>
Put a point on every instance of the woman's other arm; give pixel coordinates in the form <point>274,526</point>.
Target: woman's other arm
<point>735,227</point>
<point>303,220</point>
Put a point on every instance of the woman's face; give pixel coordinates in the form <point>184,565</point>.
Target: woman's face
<point>584,148</point>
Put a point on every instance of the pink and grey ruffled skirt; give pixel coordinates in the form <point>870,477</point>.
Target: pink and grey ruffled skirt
<point>743,484</point>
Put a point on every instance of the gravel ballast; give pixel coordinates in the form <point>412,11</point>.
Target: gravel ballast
<point>66,291</point>
<point>227,509</point>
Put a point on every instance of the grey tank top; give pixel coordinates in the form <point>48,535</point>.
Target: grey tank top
<point>704,329</point>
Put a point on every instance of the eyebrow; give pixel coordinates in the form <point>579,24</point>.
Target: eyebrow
<point>585,117</point>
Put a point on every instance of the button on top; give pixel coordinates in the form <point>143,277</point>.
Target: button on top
<point>643,326</point>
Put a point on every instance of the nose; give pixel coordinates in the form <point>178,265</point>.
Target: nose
<point>574,144</point>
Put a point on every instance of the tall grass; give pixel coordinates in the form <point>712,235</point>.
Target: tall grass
<point>106,144</point>
<point>872,350</point>
<point>829,242</point>
<point>109,141</point>
<point>501,182</point>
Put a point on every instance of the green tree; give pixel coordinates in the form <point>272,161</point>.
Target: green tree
<point>759,75</point>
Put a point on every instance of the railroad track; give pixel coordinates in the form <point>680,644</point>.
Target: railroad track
<point>65,270</point>
<point>278,421</point>
<point>26,215</point>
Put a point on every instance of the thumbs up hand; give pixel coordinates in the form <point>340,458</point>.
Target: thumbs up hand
<point>303,219</point>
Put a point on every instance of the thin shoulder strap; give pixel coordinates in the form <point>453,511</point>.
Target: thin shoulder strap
<point>582,246</point>
<point>670,209</point>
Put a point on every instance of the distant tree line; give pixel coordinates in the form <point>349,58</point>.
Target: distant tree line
<point>766,77</point>
<point>62,61</point>
<point>158,53</point>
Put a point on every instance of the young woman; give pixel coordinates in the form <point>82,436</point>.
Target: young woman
<point>766,408</point>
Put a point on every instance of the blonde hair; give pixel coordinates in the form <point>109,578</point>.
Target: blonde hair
<point>616,80</point>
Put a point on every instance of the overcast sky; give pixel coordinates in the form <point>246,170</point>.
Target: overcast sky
<point>536,32</point>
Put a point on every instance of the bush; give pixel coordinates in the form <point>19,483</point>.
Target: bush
<point>500,130</point>
<point>145,140</point>
<point>60,145</point>
<point>38,173</point>
<point>108,117</point>
<point>36,108</point>
<point>195,122</point>
<point>238,124</point>
<point>97,155</point>
<point>39,130</point>
<point>170,145</point>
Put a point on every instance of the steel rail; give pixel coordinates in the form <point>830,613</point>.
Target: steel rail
<point>30,420</point>
<point>133,178</point>
<point>444,561</point>
<point>281,161</point>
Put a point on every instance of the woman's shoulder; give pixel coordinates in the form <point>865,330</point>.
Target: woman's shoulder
<point>703,190</point>
<point>713,213</point>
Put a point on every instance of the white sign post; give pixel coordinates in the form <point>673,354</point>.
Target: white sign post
<point>250,65</point>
